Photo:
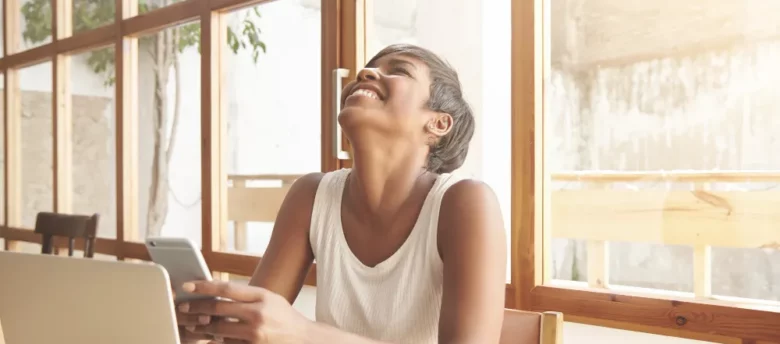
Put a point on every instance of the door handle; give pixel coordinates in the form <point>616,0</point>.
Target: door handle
<point>338,150</point>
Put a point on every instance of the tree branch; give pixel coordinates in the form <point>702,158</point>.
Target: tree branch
<point>177,97</point>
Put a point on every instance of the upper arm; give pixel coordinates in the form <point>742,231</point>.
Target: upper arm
<point>288,257</point>
<point>472,244</point>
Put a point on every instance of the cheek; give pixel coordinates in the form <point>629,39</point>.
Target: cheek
<point>407,101</point>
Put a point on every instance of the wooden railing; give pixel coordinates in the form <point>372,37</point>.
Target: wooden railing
<point>698,216</point>
<point>692,214</point>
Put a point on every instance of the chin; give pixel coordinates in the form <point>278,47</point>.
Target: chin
<point>356,116</point>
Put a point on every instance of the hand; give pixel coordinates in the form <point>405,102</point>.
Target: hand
<point>183,320</point>
<point>249,314</point>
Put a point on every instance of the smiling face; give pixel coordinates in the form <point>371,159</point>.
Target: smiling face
<point>388,103</point>
<point>408,98</point>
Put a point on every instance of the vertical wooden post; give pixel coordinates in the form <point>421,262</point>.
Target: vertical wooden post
<point>13,125</point>
<point>126,95</point>
<point>529,207</point>
<point>702,263</point>
<point>213,127</point>
<point>239,227</point>
<point>353,50</point>
<point>62,114</point>
<point>331,41</point>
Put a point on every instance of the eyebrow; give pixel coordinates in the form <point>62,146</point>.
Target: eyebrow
<point>394,62</point>
<point>400,62</point>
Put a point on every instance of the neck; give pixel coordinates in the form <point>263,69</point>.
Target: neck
<point>381,181</point>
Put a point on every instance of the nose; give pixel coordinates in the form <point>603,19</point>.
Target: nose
<point>368,74</point>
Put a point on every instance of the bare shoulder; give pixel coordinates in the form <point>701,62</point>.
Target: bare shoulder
<point>469,210</point>
<point>299,199</point>
<point>468,192</point>
<point>468,199</point>
<point>306,186</point>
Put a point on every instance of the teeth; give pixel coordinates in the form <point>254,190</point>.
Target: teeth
<point>367,93</point>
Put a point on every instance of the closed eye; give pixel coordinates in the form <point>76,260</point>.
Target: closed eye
<point>400,70</point>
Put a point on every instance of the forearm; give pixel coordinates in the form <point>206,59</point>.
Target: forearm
<point>319,333</point>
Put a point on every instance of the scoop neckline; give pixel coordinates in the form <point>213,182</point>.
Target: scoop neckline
<point>388,262</point>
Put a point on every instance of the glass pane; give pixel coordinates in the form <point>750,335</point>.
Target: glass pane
<point>475,38</point>
<point>94,137</point>
<point>759,279</point>
<point>37,155</point>
<point>34,23</point>
<point>151,5</point>
<point>270,131</point>
<point>27,247</point>
<point>91,14</point>
<point>661,140</point>
<point>169,132</point>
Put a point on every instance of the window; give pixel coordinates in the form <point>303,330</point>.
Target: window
<point>93,137</point>
<point>37,176</point>
<point>169,156</point>
<point>34,25</point>
<point>658,155</point>
<point>271,98</point>
<point>91,14</point>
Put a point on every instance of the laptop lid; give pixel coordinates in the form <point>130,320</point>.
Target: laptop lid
<point>56,299</point>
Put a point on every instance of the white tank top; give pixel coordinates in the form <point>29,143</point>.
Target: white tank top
<point>397,300</point>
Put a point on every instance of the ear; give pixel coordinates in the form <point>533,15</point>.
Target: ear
<point>439,125</point>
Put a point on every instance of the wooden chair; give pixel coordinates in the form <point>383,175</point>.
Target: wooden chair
<point>51,225</point>
<point>521,327</point>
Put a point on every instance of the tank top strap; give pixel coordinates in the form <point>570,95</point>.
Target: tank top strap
<point>326,211</point>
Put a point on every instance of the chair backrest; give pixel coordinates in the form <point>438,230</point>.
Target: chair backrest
<point>521,327</point>
<point>72,227</point>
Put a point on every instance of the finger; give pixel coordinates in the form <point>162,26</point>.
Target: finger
<point>238,292</point>
<point>224,330</point>
<point>228,341</point>
<point>184,319</point>
<point>220,308</point>
<point>187,337</point>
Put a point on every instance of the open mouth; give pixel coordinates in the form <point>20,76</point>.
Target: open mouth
<point>368,90</point>
<point>366,93</point>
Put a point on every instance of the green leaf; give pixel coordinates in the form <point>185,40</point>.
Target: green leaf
<point>91,14</point>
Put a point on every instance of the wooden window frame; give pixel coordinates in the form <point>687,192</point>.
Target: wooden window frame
<point>701,319</point>
<point>345,26</point>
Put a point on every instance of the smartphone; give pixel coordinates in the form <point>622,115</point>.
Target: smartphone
<point>183,261</point>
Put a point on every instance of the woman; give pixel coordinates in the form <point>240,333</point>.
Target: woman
<point>406,252</point>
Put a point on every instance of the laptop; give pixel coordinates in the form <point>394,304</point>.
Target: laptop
<point>57,299</point>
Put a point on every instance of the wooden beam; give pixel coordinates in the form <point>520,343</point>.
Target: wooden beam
<point>62,120</point>
<point>213,128</point>
<point>161,18</point>
<point>223,6</point>
<point>679,176</point>
<point>352,56</point>
<point>526,234</point>
<point>331,27</point>
<point>126,98</point>
<point>695,218</point>
<point>728,321</point>
<point>255,204</point>
<point>12,124</point>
